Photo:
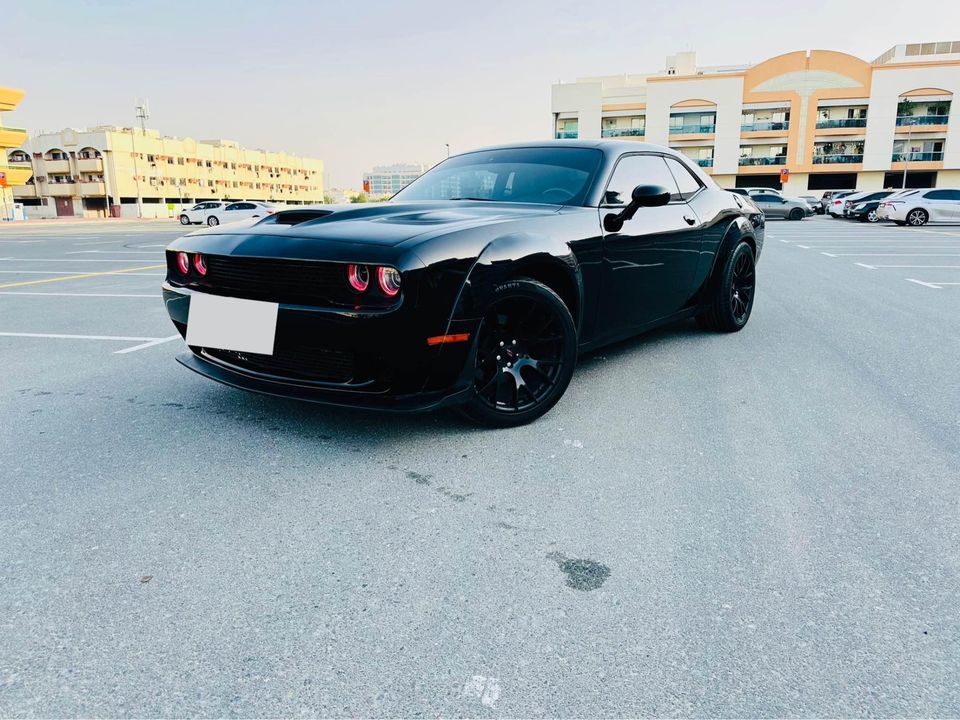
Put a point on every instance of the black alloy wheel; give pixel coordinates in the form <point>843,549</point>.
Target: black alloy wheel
<point>732,301</point>
<point>526,352</point>
<point>796,214</point>
<point>917,217</point>
<point>184,220</point>
<point>212,220</point>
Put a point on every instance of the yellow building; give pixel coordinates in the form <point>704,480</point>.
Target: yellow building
<point>131,173</point>
<point>830,120</point>
<point>15,174</point>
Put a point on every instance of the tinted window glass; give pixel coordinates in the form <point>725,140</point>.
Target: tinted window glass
<point>235,206</point>
<point>760,198</point>
<point>634,170</point>
<point>943,195</point>
<point>555,176</point>
<point>687,183</point>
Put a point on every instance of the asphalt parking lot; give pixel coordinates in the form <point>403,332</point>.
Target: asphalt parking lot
<point>750,525</point>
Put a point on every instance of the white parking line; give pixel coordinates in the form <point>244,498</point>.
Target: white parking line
<point>833,255</point>
<point>874,267</point>
<point>926,284</point>
<point>80,260</point>
<point>143,346</point>
<point>113,252</point>
<point>69,272</point>
<point>95,295</point>
<point>58,336</point>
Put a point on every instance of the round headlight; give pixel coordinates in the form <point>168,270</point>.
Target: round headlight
<point>358,276</point>
<point>183,263</point>
<point>389,279</point>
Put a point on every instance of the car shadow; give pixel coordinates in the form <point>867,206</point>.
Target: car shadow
<point>347,425</point>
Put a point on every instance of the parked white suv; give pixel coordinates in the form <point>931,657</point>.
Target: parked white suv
<point>215,213</point>
<point>918,207</point>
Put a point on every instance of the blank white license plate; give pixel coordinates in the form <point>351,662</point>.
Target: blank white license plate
<point>229,323</point>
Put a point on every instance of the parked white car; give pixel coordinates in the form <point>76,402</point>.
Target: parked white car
<point>217,213</point>
<point>918,207</point>
<point>198,213</point>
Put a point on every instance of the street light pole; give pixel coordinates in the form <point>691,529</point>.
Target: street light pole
<point>142,114</point>
<point>448,149</point>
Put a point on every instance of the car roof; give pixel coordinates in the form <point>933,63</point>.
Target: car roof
<point>609,147</point>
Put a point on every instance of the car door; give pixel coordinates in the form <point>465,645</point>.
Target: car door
<point>772,205</point>
<point>650,262</point>
<point>940,205</point>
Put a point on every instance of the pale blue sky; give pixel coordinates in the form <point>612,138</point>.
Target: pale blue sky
<point>372,82</point>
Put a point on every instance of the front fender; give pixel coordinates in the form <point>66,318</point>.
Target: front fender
<point>520,255</point>
<point>740,229</point>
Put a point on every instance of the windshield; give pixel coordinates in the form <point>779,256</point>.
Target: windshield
<point>555,176</point>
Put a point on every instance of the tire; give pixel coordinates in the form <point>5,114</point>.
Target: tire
<point>212,221</point>
<point>526,353</point>
<point>872,217</point>
<point>917,217</point>
<point>184,220</point>
<point>732,302</point>
<point>796,214</point>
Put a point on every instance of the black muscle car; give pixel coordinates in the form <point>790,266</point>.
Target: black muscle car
<point>477,285</point>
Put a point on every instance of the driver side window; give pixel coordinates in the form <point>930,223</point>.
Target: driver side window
<point>633,170</point>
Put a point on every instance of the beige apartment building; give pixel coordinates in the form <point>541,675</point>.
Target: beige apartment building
<point>128,172</point>
<point>819,120</point>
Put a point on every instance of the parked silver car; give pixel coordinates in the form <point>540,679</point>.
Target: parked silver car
<point>777,206</point>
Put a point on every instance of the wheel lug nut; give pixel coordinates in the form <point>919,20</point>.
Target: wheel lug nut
<point>509,364</point>
<point>501,343</point>
<point>498,357</point>
<point>513,342</point>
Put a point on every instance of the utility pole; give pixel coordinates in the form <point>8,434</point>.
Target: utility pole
<point>143,114</point>
<point>448,149</point>
<point>906,157</point>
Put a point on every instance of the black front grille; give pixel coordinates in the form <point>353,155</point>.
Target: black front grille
<point>311,364</point>
<point>297,282</point>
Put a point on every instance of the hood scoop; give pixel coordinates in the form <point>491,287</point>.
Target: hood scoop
<point>430,217</point>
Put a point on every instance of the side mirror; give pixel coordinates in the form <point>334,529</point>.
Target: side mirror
<point>643,196</point>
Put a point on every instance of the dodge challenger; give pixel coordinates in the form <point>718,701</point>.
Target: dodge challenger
<point>475,286</point>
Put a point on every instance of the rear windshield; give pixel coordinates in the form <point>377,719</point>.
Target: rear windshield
<point>554,176</point>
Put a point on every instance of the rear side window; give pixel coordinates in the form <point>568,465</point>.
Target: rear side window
<point>633,170</point>
<point>686,182</point>
<point>943,195</point>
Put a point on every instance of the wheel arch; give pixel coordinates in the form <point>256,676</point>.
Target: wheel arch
<point>735,234</point>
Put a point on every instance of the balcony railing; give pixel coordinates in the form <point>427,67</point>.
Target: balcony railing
<point>760,126</point>
<point>692,129</point>
<point>921,120</point>
<point>622,132</point>
<point>703,162</point>
<point>567,134</point>
<point>836,158</point>
<point>763,160</point>
<point>918,157</point>
<point>842,123</point>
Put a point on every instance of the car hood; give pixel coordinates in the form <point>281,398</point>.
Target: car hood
<point>384,224</point>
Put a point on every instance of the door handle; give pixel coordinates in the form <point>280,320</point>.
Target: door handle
<point>690,220</point>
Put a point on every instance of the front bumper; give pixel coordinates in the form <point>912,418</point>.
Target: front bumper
<point>377,360</point>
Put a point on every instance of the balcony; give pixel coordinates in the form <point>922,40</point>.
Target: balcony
<point>841,123</point>
<point>904,120</point>
<point>692,129</point>
<point>56,166</point>
<point>622,132</point>
<point>12,137</point>
<point>837,159</point>
<point>703,162</point>
<point>93,165</point>
<point>61,189</point>
<point>567,134</point>
<point>763,160</point>
<point>92,188</point>
<point>765,126</point>
<point>918,157</point>
<point>17,173</point>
